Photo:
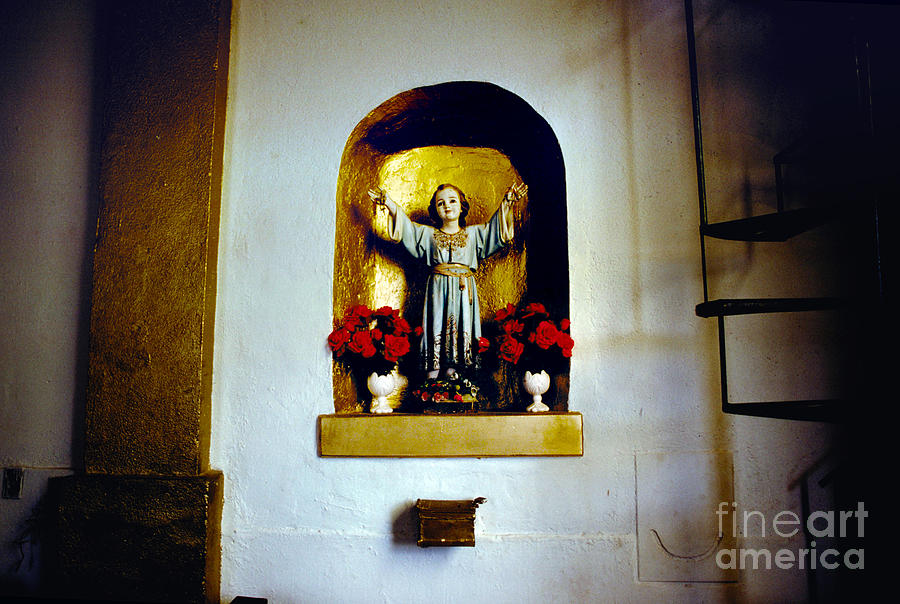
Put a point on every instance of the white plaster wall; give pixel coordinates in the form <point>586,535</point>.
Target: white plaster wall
<point>611,80</point>
<point>47,222</point>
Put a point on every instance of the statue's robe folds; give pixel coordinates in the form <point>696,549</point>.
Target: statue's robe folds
<point>451,320</point>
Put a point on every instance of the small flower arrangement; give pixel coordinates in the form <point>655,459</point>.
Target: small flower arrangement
<point>529,338</point>
<point>371,340</point>
<point>445,394</point>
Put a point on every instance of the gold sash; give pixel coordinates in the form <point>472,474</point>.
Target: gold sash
<point>461,271</point>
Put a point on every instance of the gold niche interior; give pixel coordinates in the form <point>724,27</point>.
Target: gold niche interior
<point>482,138</point>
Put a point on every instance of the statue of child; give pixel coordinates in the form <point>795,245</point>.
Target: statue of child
<point>451,320</point>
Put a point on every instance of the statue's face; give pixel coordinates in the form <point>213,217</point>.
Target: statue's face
<point>447,204</point>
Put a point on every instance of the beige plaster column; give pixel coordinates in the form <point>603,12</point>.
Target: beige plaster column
<point>141,523</point>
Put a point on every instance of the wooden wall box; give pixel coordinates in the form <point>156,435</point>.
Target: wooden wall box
<point>447,523</point>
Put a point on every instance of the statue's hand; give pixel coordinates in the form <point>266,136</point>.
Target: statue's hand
<point>515,193</point>
<point>381,200</point>
<point>378,196</point>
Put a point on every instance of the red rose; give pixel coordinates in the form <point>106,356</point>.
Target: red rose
<point>534,308</point>
<point>458,398</point>
<point>395,347</point>
<point>505,313</point>
<point>338,339</point>
<point>564,324</point>
<point>565,342</point>
<point>361,343</point>
<point>384,311</point>
<point>353,322</point>
<point>514,326</point>
<point>401,327</point>
<point>545,335</point>
<point>377,334</point>
<point>418,330</point>
<point>511,349</point>
<point>483,344</point>
<point>360,310</point>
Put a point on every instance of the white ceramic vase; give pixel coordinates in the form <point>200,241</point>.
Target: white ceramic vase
<point>381,386</point>
<point>536,384</point>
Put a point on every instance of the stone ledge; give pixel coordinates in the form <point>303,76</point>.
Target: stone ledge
<point>475,435</point>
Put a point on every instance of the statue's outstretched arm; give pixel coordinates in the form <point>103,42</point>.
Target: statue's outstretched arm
<point>380,198</point>
<point>514,194</point>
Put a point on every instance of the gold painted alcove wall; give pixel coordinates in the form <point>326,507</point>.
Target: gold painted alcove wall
<point>481,138</point>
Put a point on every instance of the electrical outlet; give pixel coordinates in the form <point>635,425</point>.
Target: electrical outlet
<point>12,483</point>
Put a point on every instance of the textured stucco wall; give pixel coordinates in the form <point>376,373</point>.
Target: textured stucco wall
<point>611,80</point>
<point>47,224</point>
<point>47,221</point>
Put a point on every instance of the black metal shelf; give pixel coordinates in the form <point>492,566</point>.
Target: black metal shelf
<point>777,226</point>
<point>727,307</point>
<point>827,410</point>
<point>830,174</point>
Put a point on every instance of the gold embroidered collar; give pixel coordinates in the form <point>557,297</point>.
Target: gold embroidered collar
<point>446,241</point>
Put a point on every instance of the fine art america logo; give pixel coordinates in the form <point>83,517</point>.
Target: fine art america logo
<point>823,525</point>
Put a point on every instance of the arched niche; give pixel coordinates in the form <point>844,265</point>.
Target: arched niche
<point>482,138</point>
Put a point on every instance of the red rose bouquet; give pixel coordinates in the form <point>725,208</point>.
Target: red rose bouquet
<point>371,340</point>
<point>529,338</point>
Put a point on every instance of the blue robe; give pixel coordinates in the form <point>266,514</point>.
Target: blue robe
<point>451,320</point>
